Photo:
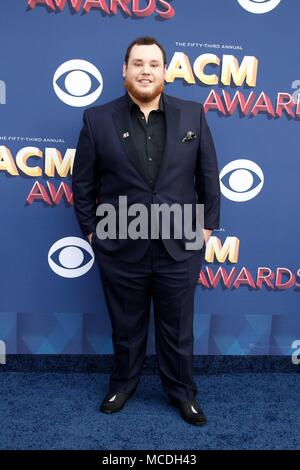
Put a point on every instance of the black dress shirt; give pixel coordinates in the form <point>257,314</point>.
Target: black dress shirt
<point>149,138</point>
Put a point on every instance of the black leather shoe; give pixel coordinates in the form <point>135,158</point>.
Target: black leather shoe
<point>114,401</point>
<point>190,411</point>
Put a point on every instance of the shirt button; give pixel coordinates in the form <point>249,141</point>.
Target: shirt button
<point>150,159</point>
<point>149,137</point>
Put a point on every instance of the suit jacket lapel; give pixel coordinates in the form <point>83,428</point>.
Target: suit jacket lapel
<point>122,120</point>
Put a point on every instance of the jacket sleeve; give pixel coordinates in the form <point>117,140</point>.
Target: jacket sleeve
<point>84,179</point>
<point>207,177</point>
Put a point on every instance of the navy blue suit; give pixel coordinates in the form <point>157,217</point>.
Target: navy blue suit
<point>135,271</point>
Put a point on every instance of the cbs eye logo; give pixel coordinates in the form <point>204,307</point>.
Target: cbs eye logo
<point>259,6</point>
<point>74,255</point>
<point>78,79</point>
<point>242,175</point>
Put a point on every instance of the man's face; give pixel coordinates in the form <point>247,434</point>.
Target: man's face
<point>145,72</point>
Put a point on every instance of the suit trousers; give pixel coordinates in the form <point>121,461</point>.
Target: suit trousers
<point>129,289</point>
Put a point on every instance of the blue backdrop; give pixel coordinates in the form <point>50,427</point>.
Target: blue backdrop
<point>247,301</point>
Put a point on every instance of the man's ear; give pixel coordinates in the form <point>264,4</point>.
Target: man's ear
<point>124,70</point>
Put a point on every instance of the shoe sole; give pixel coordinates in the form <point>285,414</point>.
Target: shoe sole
<point>109,412</point>
<point>196,423</point>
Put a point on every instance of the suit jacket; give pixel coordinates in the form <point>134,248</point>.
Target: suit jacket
<point>106,166</point>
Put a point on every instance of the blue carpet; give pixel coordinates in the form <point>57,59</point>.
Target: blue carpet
<point>60,411</point>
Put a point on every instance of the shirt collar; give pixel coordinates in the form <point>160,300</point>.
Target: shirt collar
<point>132,105</point>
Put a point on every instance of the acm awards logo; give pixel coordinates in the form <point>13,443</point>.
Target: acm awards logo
<point>34,162</point>
<point>139,8</point>
<point>232,73</point>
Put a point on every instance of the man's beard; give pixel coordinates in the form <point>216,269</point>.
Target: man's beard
<point>143,96</point>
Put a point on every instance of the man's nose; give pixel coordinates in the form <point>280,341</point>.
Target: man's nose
<point>146,69</point>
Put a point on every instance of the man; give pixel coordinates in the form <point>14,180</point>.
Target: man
<point>153,149</point>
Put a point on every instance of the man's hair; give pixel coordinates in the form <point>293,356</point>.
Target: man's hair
<point>145,41</point>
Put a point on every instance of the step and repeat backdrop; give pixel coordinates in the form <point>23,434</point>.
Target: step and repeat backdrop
<point>237,57</point>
